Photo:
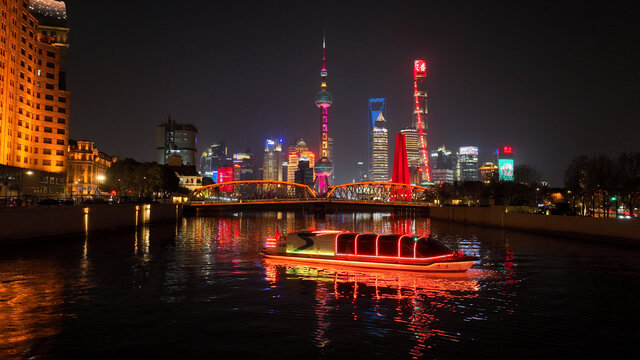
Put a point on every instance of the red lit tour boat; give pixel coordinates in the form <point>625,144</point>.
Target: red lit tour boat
<point>368,250</point>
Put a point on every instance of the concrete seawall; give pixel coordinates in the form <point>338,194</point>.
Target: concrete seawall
<point>580,226</point>
<point>19,225</point>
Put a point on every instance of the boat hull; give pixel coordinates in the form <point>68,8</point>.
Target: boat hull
<point>438,266</point>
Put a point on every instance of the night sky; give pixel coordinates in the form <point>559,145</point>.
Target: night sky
<point>553,80</point>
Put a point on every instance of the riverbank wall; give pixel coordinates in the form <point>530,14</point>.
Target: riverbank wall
<point>24,224</point>
<point>573,226</point>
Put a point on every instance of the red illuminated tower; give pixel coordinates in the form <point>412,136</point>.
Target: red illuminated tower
<point>324,167</point>
<point>420,96</point>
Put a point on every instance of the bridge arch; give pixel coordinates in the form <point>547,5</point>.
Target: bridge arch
<point>254,190</point>
<point>372,191</point>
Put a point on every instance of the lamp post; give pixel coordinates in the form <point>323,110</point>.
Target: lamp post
<point>28,172</point>
<point>100,179</point>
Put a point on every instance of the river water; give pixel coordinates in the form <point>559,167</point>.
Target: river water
<point>200,289</point>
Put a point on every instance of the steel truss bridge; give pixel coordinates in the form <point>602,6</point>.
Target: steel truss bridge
<point>279,192</point>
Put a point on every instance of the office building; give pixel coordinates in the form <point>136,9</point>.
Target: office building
<point>377,106</point>
<point>212,158</point>
<point>468,163</point>
<point>420,111</point>
<point>380,150</point>
<point>304,173</point>
<point>173,138</point>
<point>361,172</point>
<point>488,172</point>
<point>272,164</point>
<point>506,166</point>
<point>244,166</point>
<point>34,100</point>
<point>446,176</point>
<point>297,150</point>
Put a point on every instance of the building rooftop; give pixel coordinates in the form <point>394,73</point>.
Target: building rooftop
<point>49,12</point>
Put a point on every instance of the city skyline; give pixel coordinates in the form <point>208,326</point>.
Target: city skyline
<point>539,74</point>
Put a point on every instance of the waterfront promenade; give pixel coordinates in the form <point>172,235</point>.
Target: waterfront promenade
<point>573,226</point>
<point>23,224</point>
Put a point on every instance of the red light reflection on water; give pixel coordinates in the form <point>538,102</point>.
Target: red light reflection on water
<point>421,298</point>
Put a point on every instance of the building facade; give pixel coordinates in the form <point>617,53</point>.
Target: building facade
<point>244,166</point>
<point>173,138</point>
<point>420,111</point>
<point>380,151</point>
<point>304,173</point>
<point>376,107</point>
<point>468,163</point>
<point>34,100</point>
<point>272,164</point>
<point>361,172</point>
<point>86,168</point>
<point>212,158</point>
<point>298,149</point>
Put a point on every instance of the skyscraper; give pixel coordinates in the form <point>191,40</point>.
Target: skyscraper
<point>361,172</point>
<point>295,151</point>
<point>324,167</point>
<point>412,142</point>
<point>272,165</point>
<point>212,158</point>
<point>173,138</point>
<point>243,166</point>
<point>377,106</point>
<point>468,163</point>
<point>34,101</point>
<point>380,150</point>
<point>420,110</point>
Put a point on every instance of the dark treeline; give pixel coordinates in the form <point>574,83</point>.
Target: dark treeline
<point>599,183</point>
<point>524,190</point>
<point>142,181</point>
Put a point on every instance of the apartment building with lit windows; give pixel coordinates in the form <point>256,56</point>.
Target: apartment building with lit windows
<point>34,100</point>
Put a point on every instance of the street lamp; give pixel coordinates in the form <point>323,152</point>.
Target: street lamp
<point>100,181</point>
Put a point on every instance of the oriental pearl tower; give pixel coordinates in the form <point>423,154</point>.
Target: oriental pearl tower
<point>324,167</point>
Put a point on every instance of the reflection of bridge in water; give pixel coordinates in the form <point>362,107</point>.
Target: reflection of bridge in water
<point>266,194</point>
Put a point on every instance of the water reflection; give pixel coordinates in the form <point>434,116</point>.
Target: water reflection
<point>31,293</point>
<point>415,301</point>
<point>200,284</point>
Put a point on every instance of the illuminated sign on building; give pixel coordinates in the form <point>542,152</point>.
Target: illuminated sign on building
<point>420,68</point>
<point>505,168</point>
<point>507,150</point>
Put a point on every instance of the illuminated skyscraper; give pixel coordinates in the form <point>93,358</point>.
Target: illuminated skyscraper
<point>34,101</point>
<point>412,142</point>
<point>377,106</point>
<point>212,158</point>
<point>324,167</point>
<point>380,150</point>
<point>272,165</point>
<point>420,110</point>
<point>468,163</point>
<point>297,150</point>
<point>361,172</point>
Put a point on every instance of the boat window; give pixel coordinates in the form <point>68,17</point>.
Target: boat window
<point>366,244</point>
<point>428,247</point>
<point>406,245</point>
<point>346,243</point>
<point>388,245</point>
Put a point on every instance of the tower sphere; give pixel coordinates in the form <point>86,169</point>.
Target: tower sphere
<point>324,167</point>
<point>324,99</point>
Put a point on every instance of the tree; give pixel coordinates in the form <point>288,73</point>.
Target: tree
<point>526,174</point>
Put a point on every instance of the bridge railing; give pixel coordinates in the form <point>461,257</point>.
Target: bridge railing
<point>382,191</point>
<point>234,191</point>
